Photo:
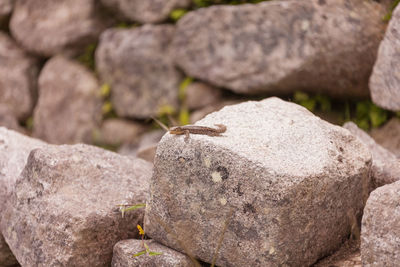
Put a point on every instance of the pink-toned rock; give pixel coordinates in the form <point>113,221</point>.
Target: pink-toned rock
<point>119,131</point>
<point>18,78</point>
<point>199,95</point>
<point>6,7</point>
<point>124,251</point>
<point>64,211</point>
<point>388,136</point>
<point>69,105</point>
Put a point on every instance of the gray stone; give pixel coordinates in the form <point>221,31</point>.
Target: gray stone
<point>280,178</point>
<point>6,7</point>
<point>119,131</point>
<point>385,167</point>
<point>138,66</point>
<point>149,11</point>
<point>124,250</point>
<point>18,78</point>
<point>380,231</point>
<point>69,105</point>
<point>14,151</point>
<point>281,46</point>
<point>199,95</point>
<point>388,136</point>
<point>64,211</point>
<point>47,27</point>
<point>385,79</point>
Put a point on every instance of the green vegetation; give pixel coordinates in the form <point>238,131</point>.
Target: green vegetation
<point>388,16</point>
<point>204,3</point>
<point>87,57</point>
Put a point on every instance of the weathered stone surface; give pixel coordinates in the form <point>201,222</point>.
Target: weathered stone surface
<point>347,256</point>
<point>64,210</point>
<point>385,79</point>
<point>6,7</point>
<point>138,66</point>
<point>149,11</point>
<point>118,131</point>
<point>14,151</point>
<point>48,27</point>
<point>385,167</point>
<point>8,120</point>
<point>69,105</point>
<point>124,250</point>
<point>278,168</point>
<point>388,136</point>
<point>281,46</point>
<point>18,78</point>
<point>199,95</point>
<point>380,231</point>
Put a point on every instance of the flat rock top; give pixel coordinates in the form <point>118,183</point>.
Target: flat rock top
<point>284,138</point>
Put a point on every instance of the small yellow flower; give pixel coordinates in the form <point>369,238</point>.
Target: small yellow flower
<point>141,232</point>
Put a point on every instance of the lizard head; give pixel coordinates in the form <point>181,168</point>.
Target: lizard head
<point>176,130</point>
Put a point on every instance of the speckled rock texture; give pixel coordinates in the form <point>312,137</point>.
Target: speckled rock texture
<point>69,105</point>
<point>281,46</point>
<point>14,151</point>
<point>385,79</point>
<point>18,78</point>
<point>64,211</point>
<point>385,167</point>
<point>149,11</point>
<point>123,251</point>
<point>48,27</point>
<point>388,136</point>
<point>380,231</point>
<point>347,256</point>
<point>6,7</point>
<point>138,66</point>
<point>280,178</point>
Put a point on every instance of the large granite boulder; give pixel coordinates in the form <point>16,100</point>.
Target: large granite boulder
<point>14,151</point>
<point>380,231</point>
<point>69,105</point>
<point>138,66</point>
<point>48,27</point>
<point>149,11</point>
<point>385,79</point>
<point>275,190</point>
<point>18,78</point>
<point>385,167</point>
<point>281,46</point>
<point>64,211</point>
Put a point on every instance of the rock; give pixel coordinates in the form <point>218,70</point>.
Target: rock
<point>8,120</point>
<point>6,7</point>
<point>64,211</point>
<point>18,78</point>
<point>385,79</point>
<point>388,136</point>
<point>385,167</point>
<point>14,151</point>
<point>138,66</point>
<point>47,27</point>
<point>201,113</point>
<point>277,169</point>
<point>199,95</point>
<point>124,250</point>
<point>347,256</point>
<point>149,11</point>
<point>282,46</point>
<point>69,105</point>
<point>119,131</point>
<point>380,231</point>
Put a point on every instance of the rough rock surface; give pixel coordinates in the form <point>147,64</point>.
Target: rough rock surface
<point>385,79</point>
<point>277,169</point>
<point>69,105</point>
<point>380,231</point>
<point>14,151</point>
<point>48,27</point>
<point>347,256</point>
<point>199,95</point>
<point>18,78</point>
<point>385,167</point>
<point>280,46</point>
<point>118,131</point>
<point>138,66</point>
<point>123,251</point>
<point>388,136</point>
<point>64,211</point>
<point>149,11</point>
<point>6,7</point>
